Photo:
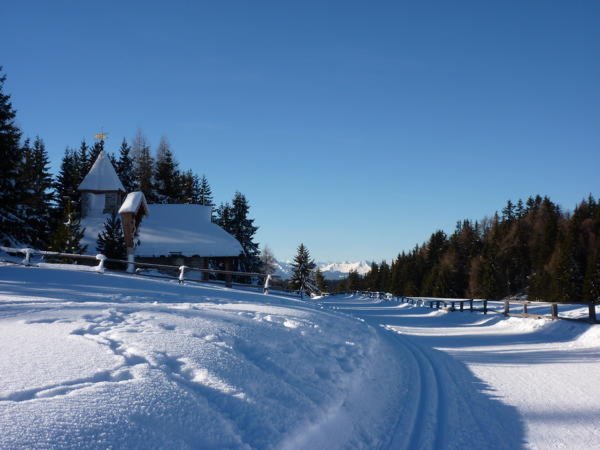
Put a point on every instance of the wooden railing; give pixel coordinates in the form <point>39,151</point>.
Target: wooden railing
<point>485,305</point>
<point>229,278</point>
<point>501,306</point>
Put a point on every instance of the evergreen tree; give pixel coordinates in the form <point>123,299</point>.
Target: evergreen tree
<point>320,281</point>
<point>189,188</point>
<point>111,242</point>
<point>243,229</point>
<point>225,217</point>
<point>124,167</point>
<point>10,161</point>
<point>301,270</point>
<point>166,175</point>
<point>353,282</point>
<point>143,164</point>
<point>83,161</point>
<point>37,204</point>
<point>94,152</point>
<point>205,193</point>
<point>66,184</point>
<point>67,234</point>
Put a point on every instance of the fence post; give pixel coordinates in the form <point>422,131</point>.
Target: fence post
<point>485,306</point>
<point>130,261</point>
<point>592,312</point>
<point>182,274</point>
<point>266,287</point>
<point>100,267</point>
<point>524,309</point>
<point>28,252</point>
<point>554,311</point>
<point>471,305</point>
<point>506,307</point>
<point>462,305</point>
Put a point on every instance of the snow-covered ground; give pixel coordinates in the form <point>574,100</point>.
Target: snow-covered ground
<point>113,361</point>
<point>540,379</point>
<point>92,360</point>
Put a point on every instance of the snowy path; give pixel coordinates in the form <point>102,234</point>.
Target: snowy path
<point>491,382</point>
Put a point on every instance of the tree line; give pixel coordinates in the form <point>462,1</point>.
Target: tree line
<point>532,248</point>
<point>43,211</point>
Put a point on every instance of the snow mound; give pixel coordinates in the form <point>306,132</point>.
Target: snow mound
<point>114,361</point>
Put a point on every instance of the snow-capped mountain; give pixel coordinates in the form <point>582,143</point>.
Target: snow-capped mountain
<point>331,270</point>
<point>336,271</point>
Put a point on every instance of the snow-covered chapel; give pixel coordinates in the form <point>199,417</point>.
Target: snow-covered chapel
<point>167,234</point>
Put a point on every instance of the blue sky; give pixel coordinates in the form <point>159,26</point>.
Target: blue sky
<point>358,128</point>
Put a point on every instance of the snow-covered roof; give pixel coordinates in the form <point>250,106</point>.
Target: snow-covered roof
<point>185,229</point>
<point>102,176</point>
<point>133,202</point>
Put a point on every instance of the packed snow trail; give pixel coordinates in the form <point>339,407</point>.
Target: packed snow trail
<point>446,406</point>
<point>493,382</point>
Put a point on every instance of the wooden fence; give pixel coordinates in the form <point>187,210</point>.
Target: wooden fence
<point>507,307</point>
<point>229,278</point>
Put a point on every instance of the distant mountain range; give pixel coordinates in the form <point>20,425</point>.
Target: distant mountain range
<point>331,271</point>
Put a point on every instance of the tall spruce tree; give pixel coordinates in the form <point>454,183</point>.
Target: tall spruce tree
<point>143,164</point>
<point>189,188</point>
<point>10,162</point>
<point>83,160</point>
<point>67,182</point>
<point>301,270</point>
<point>243,229</point>
<point>124,167</point>
<point>205,193</point>
<point>36,206</point>
<point>320,280</point>
<point>111,241</point>
<point>166,175</point>
<point>94,152</point>
<point>68,233</point>
<point>224,217</point>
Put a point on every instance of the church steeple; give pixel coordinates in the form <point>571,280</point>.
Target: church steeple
<point>101,189</point>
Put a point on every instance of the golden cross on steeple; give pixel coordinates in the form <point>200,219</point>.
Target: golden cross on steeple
<point>101,136</point>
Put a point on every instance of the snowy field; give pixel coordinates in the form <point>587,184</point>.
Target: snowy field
<point>113,361</point>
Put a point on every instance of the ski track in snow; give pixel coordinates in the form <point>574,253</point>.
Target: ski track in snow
<point>485,381</point>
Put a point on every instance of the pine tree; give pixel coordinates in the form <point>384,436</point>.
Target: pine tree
<point>353,282</point>
<point>205,193</point>
<point>94,152</point>
<point>111,242</point>
<point>66,184</point>
<point>10,161</point>
<point>83,161</point>
<point>143,164</point>
<point>166,174</point>
<point>124,167</point>
<point>320,280</point>
<point>67,234</point>
<point>243,229</point>
<point>225,217</point>
<point>189,188</point>
<point>36,205</point>
<point>301,270</point>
